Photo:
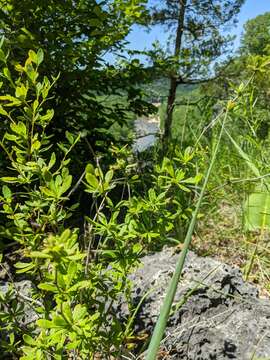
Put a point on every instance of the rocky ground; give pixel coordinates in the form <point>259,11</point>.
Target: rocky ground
<point>221,316</point>
<point>216,315</point>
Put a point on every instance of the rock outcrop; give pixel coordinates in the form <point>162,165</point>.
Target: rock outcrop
<point>216,314</point>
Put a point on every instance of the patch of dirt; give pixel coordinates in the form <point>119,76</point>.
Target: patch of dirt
<point>221,236</point>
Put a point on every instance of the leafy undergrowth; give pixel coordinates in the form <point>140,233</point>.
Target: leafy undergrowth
<point>75,276</point>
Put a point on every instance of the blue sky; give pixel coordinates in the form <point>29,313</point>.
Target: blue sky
<point>139,39</point>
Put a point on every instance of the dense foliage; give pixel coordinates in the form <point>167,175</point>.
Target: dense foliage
<point>256,38</point>
<point>75,37</point>
<point>73,289</point>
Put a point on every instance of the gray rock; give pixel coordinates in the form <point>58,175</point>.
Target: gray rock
<point>222,317</point>
<point>19,296</point>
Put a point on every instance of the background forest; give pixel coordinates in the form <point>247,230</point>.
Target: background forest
<point>79,206</point>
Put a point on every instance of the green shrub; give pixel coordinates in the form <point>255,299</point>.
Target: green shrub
<point>72,314</point>
<point>76,276</point>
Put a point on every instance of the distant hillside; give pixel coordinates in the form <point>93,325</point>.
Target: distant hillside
<point>158,90</point>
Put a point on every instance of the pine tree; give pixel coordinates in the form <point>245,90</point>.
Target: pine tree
<point>198,28</point>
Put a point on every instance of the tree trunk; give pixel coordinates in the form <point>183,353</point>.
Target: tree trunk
<point>173,79</point>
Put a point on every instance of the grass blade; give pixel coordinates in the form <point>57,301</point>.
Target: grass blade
<point>248,161</point>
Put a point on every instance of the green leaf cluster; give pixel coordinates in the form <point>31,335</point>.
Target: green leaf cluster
<point>68,296</point>
<point>77,275</point>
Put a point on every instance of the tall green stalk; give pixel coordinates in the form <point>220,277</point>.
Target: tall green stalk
<point>167,304</point>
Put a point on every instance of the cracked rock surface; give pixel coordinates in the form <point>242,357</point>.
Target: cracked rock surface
<point>220,318</point>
